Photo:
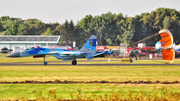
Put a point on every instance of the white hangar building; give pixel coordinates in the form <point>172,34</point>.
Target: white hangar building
<point>22,42</point>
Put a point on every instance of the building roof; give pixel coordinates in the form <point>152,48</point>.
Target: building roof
<point>30,39</point>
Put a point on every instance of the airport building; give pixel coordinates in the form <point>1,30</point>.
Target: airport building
<point>18,42</point>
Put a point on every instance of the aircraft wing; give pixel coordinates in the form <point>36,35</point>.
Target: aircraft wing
<point>71,53</point>
<point>97,54</point>
<point>79,53</point>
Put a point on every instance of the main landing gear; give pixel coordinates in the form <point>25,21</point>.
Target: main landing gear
<point>45,63</point>
<point>74,62</point>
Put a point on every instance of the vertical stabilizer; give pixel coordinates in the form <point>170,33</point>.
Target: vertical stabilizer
<point>90,47</point>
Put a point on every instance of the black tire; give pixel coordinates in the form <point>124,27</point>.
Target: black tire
<point>74,62</point>
<point>45,63</point>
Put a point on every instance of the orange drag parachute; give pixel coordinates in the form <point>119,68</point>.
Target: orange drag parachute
<point>166,39</point>
<point>168,54</point>
<point>166,44</point>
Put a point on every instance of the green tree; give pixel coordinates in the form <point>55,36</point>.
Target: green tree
<point>54,25</point>
<point>138,28</point>
<point>32,21</point>
<point>174,28</point>
<point>39,28</point>
<point>1,27</point>
<point>48,32</point>
<point>126,28</point>
<point>65,32</point>
<point>71,31</point>
<point>110,29</point>
<point>12,30</point>
<point>8,32</point>
<point>78,37</point>
<point>58,30</point>
<point>24,29</point>
<point>166,23</point>
<point>83,30</point>
<point>104,27</point>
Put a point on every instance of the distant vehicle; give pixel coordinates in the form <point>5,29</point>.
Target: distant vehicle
<point>87,51</point>
<point>5,50</point>
<point>134,54</point>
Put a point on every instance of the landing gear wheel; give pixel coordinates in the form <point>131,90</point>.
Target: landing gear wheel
<point>74,62</point>
<point>45,63</point>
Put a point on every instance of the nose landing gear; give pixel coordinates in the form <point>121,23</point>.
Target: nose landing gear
<point>45,63</point>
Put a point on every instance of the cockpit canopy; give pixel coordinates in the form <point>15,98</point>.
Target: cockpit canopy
<point>30,48</point>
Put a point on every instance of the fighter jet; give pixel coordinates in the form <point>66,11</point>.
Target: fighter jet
<point>87,51</point>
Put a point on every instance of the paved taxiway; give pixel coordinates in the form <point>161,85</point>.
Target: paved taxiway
<point>58,63</point>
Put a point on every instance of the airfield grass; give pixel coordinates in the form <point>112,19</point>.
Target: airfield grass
<point>84,73</point>
<point>90,73</point>
<point>72,91</point>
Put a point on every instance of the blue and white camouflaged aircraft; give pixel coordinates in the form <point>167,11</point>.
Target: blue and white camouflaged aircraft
<point>87,51</point>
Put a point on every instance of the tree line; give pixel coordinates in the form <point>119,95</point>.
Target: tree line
<point>110,29</point>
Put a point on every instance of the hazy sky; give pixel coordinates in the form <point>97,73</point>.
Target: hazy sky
<point>60,10</point>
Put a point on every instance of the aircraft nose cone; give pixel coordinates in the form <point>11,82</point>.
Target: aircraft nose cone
<point>14,55</point>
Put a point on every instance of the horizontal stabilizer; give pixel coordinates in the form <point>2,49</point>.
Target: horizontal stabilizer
<point>96,54</point>
<point>89,57</point>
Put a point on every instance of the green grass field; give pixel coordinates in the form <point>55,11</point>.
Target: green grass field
<point>90,73</point>
<point>31,91</point>
<point>84,73</point>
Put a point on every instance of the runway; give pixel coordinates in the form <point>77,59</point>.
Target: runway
<point>63,63</point>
